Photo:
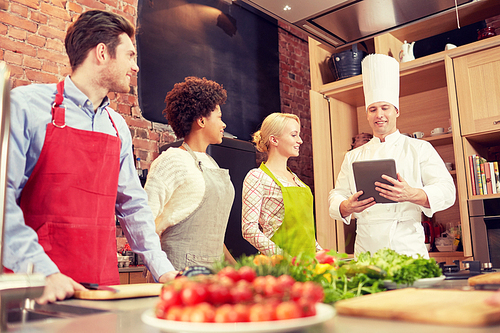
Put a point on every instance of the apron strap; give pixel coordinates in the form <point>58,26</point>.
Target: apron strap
<point>197,162</point>
<point>112,122</point>
<point>190,151</point>
<point>264,168</point>
<point>58,110</point>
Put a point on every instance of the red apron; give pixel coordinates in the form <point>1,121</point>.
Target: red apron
<point>69,199</point>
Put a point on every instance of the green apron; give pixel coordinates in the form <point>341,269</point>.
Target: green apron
<point>296,234</point>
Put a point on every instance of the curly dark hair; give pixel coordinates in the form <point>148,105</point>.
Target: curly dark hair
<point>192,99</point>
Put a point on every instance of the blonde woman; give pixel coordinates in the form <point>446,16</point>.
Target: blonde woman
<point>277,210</point>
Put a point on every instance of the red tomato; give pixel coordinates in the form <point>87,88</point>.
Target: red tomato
<point>202,313</point>
<point>224,314</point>
<point>270,306</point>
<point>272,287</point>
<point>160,309</point>
<point>258,312</point>
<point>259,284</point>
<point>186,313</point>
<point>286,281</point>
<point>297,289</point>
<point>324,258</point>
<point>308,308</point>
<point>229,272</point>
<point>288,310</point>
<point>174,313</point>
<point>242,292</point>
<point>247,273</point>
<point>242,312</point>
<point>312,291</point>
<point>170,296</point>
<point>193,294</point>
<point>218,293</point>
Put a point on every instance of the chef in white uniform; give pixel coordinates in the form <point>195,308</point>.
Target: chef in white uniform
<point>423,185</point>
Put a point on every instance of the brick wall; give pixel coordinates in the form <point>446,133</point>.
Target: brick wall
<point>32,44</point>
<point>295,83</point>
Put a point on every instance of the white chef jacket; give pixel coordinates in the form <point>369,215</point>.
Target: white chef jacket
<point>395,225</point>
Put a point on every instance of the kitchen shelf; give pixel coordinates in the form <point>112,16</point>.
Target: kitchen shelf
<point>429,98</point>
<point>429,69</point>
<point>439,140</point>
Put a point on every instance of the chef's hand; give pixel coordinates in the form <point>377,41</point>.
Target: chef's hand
<point>168,276</point>
<point>352,205</point>
<point>58,287</point>
<point>400,191</point>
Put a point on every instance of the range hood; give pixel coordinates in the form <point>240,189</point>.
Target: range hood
<point>344,22</point>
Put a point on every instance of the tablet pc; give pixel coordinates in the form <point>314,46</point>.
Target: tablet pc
<point>366,173</point>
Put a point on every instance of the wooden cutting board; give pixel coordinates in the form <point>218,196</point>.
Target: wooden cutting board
<point>123,291</point>
<point>433,306</point>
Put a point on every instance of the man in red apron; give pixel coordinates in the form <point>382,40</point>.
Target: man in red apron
<point>71,168</point>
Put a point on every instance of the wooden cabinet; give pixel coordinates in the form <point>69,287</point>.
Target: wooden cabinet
<point>428,99</point>
<point>131,275</point>
<point>478,91</point>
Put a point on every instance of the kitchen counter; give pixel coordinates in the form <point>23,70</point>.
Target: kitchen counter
<point>125,316</point>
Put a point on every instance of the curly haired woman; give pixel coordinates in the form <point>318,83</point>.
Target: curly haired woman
<point>191,197</point>
<point>277,208</point>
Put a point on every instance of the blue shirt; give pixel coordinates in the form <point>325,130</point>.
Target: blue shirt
<point>30,114</point>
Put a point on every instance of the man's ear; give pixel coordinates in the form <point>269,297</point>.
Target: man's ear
<point>101,52</point>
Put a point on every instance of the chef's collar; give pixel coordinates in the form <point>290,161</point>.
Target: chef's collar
<point>389,138</point>
<point>75,95</point>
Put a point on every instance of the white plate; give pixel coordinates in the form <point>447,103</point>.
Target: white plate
<point>436,134</point>
<point>323,313</point>
<point>420,283</point>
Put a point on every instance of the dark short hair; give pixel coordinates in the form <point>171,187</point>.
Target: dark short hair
<point>90,29</point>
<point>190,100</point>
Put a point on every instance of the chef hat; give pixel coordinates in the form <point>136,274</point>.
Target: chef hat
<point>380,79</point>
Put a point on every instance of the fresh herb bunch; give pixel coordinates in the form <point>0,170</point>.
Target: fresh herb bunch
<point>400,268</point>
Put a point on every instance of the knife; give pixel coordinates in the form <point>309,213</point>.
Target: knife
<point>96,286</point>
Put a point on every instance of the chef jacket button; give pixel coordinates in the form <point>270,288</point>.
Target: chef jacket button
<point>80,106</point>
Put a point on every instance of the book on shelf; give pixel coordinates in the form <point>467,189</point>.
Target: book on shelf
<point>497,176</point>
<point>472,168</point>
<point>478,175</point>
<point>487,177</point>
<point>484,176</point>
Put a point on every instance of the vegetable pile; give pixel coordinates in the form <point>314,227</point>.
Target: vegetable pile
<point>261,288</point>
<point>401,269</point>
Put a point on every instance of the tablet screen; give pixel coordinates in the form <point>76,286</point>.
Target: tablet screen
<point>366,173</point>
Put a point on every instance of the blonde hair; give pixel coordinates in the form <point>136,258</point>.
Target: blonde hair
<point>274,124</point>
